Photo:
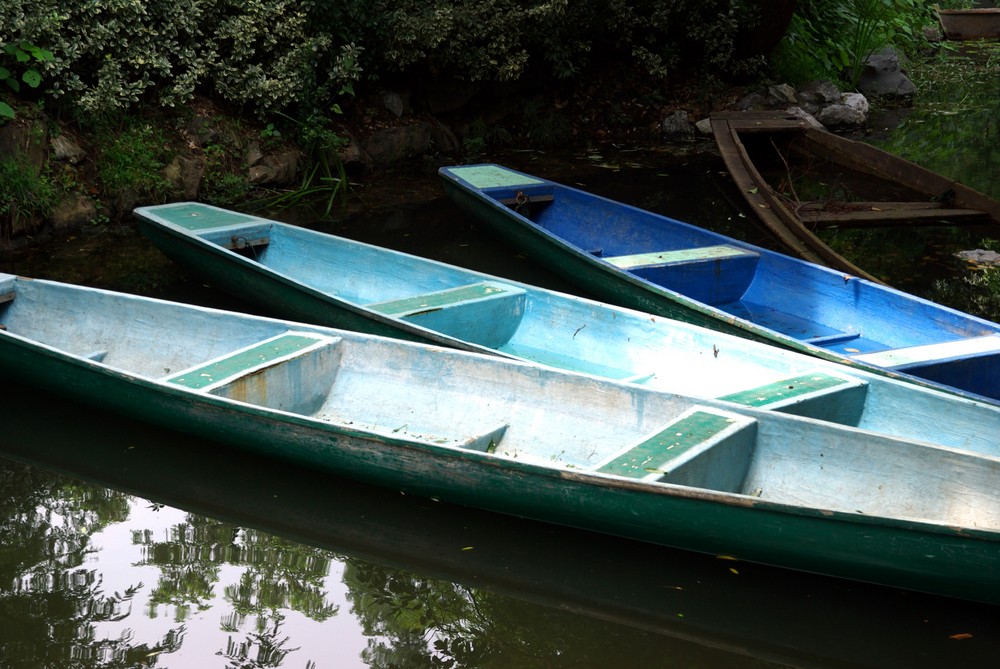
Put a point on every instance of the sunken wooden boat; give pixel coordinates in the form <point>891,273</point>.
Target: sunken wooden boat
<point>659,265</point>
<point>522,439</point>
<point>969,24</point>
<point>866,187</point>
<point>320,278</point>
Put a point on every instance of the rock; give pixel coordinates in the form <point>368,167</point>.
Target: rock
<point>64,148</point>
<point>852,111</point>
<point>184,176</point>
<point>752,102</point>
<point>677,126</point>
<point>253,154</point>
<point>980,257</point>
<point>704,126</point>
<point>279,169</point>
<point>882,75</point>
<point>73,212</point>
<point>390,145</point>
<point>817,94</point>
<point>397,103</point>
<point>782,93</point>
<point>800,113</point>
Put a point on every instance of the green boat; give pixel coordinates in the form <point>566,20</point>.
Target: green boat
<point>522,439</point>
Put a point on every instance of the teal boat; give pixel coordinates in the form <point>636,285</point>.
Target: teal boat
<point>656,264</point>
<point>522,439</point>
<point>319,278</point>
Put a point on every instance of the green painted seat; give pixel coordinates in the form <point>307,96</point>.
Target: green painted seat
<point>293,371</point>
<point>816,395</point>
<point>704,448</point>
<point>486,313</point>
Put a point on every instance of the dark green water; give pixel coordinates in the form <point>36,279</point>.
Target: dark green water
<point>123,546</point>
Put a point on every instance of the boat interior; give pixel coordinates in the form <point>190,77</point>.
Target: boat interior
<point>769,289</point>
<point>387,390</point>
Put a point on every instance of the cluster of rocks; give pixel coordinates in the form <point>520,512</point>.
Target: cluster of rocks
<point>820,102</point>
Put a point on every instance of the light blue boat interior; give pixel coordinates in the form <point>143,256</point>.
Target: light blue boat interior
<point>479,407</point>
<point>578,335</point>
<point>817,306</point>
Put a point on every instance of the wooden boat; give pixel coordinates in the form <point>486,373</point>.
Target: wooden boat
<point>966,24</point>
<point>799,620</point>
<point>656,264</point>
<point>522,439</point>
<point>320,278</point>
<point>867,187</point>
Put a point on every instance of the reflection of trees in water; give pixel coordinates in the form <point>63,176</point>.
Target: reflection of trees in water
<point>277,575</point>
<point>418,622</point>
<point>51,604</point>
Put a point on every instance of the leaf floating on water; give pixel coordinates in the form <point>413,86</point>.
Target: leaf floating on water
<point>961,636</point>
<point>734,570</point>
<point>468,548</point>
<point>728,557</point>
<point>853,350</point>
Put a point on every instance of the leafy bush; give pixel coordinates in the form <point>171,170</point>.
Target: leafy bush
<point>298,56</point>
<point>830,39</point>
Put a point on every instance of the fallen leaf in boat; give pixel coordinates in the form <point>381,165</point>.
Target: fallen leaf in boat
<point>763,206</point>
<point>727,557</point>
<point>754,190</point>
<point>853,350</point>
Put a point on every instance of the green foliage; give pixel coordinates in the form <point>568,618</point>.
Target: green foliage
<point>132,160</point>
<point>270,56</point>
<point>21,55</point>
<point>25,195</point>
<point>830,39</point>
<point>111,54</point>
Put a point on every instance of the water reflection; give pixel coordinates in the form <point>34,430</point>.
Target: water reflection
<point>162,550</point>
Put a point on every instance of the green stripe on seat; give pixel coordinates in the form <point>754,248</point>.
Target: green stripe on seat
<point>199,217</point>
<point>647,457</point>
<point>785,389</point>
<point>431,301</point>
<point>241,361</point>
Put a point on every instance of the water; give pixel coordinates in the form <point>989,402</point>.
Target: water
<point>124,545</point>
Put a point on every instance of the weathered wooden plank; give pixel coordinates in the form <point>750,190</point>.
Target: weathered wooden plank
<point>890,214</point>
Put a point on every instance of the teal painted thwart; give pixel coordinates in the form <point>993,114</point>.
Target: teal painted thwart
<point>757,294</point>
<point>320,278</point>
<point>520,439</point>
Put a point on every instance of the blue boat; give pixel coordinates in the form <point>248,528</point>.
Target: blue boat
<point>521,439</point>
<point>320,278</point>
<point>653,263</point>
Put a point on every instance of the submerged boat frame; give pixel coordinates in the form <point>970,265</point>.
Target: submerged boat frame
<point>935,200</point>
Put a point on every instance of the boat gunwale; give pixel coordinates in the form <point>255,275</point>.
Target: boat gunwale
<point>318,427</point>
<point>716,318</point>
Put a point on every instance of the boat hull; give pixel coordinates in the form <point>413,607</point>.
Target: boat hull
<point>900,554</point>
<point>773,302</point>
